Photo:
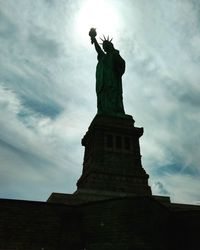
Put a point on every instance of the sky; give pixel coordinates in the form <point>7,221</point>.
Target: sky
<point>48,99</point>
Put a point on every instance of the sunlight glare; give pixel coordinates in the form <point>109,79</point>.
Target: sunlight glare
<point>101,15</point>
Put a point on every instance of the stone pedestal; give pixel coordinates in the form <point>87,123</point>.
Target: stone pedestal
<point>112,161</point>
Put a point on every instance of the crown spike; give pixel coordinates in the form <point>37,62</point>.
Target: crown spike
<point>104,39</point>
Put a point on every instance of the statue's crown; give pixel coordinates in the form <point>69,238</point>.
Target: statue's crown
<point>106,39</point>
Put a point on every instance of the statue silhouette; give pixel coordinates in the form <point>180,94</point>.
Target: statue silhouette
<point>109,71</point>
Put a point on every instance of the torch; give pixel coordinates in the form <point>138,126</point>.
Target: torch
<point>92,34</point>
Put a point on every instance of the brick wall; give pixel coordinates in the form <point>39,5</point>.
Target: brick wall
<point>26,225</point>
<point>136,223</point>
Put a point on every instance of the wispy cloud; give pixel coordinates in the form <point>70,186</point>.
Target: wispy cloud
<point>47,93</point>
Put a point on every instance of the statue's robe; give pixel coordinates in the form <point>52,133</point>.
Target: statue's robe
<point>109,71</point>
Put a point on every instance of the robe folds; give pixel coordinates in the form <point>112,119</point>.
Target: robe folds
<point>109,71</point>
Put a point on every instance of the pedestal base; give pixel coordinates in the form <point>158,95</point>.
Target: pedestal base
<point>112,160</point>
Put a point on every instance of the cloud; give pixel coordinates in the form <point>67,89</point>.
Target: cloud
<point>47,92</point>
<point>164,88</point>
<point>159,188</point>
<point>36,149</point>
<point>180,187</point>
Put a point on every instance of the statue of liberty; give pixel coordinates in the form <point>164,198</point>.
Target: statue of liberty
<point>109,71</point>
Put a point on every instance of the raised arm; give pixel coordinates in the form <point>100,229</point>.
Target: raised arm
<point>92,34</point>
<point>96,45</point>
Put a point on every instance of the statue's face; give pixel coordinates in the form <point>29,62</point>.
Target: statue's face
<point>107,46</point>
